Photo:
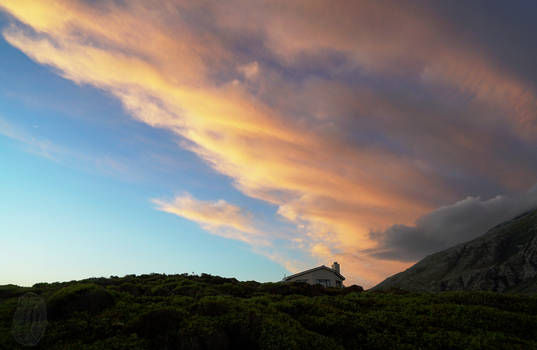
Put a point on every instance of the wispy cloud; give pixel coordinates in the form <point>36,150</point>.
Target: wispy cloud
<point>348,117</point>
<point>32,144</point>
<point>218,217</point>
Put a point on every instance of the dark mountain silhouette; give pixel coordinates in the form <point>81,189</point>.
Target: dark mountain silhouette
<point>504,259</point>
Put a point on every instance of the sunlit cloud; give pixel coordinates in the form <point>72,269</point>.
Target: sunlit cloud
<point>349,118</point>
<point>219,217</point>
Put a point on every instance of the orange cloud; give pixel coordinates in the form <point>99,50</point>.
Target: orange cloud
<point>218,217</point>
<point>177,66</point>
<point>387,38</point>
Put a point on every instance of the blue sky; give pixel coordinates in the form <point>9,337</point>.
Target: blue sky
<point>77,175</point>
<point>253,139</point>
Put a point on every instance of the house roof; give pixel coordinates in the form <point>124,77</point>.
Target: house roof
<point>315,269</point>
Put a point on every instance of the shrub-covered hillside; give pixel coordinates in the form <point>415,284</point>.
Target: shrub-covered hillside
<point>208,312</point>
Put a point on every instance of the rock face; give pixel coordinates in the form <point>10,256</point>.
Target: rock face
<point>503,260</point>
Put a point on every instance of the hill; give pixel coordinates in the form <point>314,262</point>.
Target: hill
<point>210,312</point>
<point>504,259</point>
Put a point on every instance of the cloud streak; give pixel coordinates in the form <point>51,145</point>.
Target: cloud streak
<point>218,217</point>
<point>349,117</point>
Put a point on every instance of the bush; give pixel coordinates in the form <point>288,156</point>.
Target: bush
<point>210,312</point>
<point>10,291</point>
<point>78,298</point>
<point>159,321</point>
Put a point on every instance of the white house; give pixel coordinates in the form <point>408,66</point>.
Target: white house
<point>326,276</point>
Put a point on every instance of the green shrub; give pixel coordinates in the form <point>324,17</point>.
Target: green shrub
<point>210,312</point>
<point>78,298</point>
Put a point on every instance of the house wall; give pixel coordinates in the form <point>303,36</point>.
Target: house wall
<point>313,276</point>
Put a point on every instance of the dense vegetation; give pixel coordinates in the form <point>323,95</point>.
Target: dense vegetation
<point>209,312</point>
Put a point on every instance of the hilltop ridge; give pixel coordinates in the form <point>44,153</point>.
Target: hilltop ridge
<point>504,259</point>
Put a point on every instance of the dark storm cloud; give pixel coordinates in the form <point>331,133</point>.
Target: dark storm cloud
<point>448,226</point>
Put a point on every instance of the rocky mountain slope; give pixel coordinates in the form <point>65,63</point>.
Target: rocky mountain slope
<point>504,260</point>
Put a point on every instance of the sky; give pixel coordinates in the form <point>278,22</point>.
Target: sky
<point>254,139</point>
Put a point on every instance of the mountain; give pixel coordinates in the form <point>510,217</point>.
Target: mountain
<point>504,259</point>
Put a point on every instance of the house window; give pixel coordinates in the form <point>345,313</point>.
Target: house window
<point>338,284</point>
<point>325,283</point>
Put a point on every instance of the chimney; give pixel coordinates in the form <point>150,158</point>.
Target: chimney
<point>335,266</point>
